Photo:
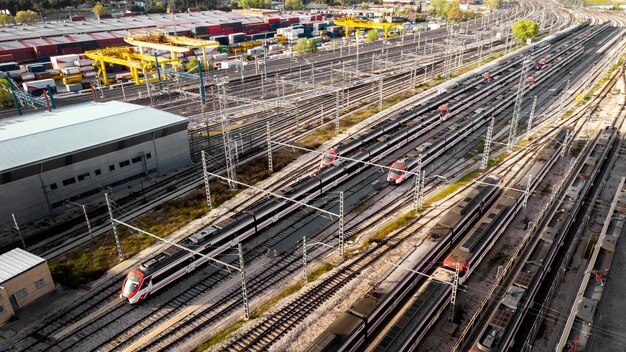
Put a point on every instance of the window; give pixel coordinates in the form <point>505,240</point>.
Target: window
<point>149,155</point>
<point>97,172</point>
<point>21,293</point>
<point>136,159</point>
<point>111,167</point>
<point>53,186</point>
<point>1,309</point>
<point>83,176</point>
<point>69,181</point>
<point>40,283</point>
<point>125,163</point>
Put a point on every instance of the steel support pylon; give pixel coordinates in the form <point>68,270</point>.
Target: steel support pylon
<point>487,148</point>
<point>531,117</point>
<point>19,232</point>
<point>228,155</point>
<point>527,192</point>
<point>337,130</point>
<point>418,195</point>
<point>455,286</point>
<point>565,143</point>
<point>304,264</point>
<point>114,228</point>
<point>518,103</point>
<point>380,94</point>
<point>207,189</point>
<point>244,290</point>
<point>341,234</point>
<point>269,149</point>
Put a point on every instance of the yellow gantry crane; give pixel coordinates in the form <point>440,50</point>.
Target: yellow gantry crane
<point>174,44</point>
<point>138,58</point>
<point>128,57</point>
<point>351,22</point>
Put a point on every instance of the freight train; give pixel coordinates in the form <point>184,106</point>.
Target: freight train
<point>352,329</point>
<point>498,334</point>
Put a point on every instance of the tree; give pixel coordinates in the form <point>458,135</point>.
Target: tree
<point>525,29</point>
<point>192,65</point>
<point>616,6</point>
<point>6,19</point>
<point>372,35</point>
<point>364,5</point>
<point>99,10</point>
<point>293,4</point>
<point>6,99</point>
<point>454,13</point>
<point>26,17</point>
<point>438,7</point>
<point>493,4</point>
<point>311,45</point>
<point>300,47</point>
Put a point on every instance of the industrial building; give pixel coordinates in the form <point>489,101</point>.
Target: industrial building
<point>24,277</point>
<point>79,153</point>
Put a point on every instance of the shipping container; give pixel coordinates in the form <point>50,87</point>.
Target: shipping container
<point>11,68</point>
<point>74,87</point>
<point>74,50</point>
<point>6,58</point>
<point>27,76</point>
<point>73,78</point>
<point>46,50</point>
<point>83,62</point>
<point>38,85</point>
<point>42,75</point>
<point>222,39</point>
<point>35,68</point>
<point>70,70</point>
<point>77,18</point>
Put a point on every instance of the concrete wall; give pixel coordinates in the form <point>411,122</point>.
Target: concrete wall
<point>27,281</point>
<point>167,154</point>
<point>6,311</point>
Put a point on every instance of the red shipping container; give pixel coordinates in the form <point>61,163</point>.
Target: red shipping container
<point>74,50</point>
<point>46,50</point>
<point>263,27</point>
<point>293,20</point>
<point>214,29</point>
<point>227,30</point>
<point>7,58</point>
<point>42,75</point>
<point>272,19</point>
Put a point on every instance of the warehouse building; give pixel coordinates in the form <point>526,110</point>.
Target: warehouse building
<point>24,277</point>
<point>79,153</point>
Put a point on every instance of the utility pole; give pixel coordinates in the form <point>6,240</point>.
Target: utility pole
<point>455,286</point>
<point>380,94</point>
<point>565,143</point>
<point>337,127</point>
<point>487,148</point>
<point>341,234</point>
<point>19,232</point>
<point>244,290</point>
<point>418,196</point>
<point>306,276</point>
<point>114,228</point>
<point>531,116</point>
<point>527,192</point>
<point>322,115</point>
<point>269,149</point>
<point>518,104</point>
<point>206,181</point>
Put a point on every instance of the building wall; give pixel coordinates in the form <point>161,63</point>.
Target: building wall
<point>23,289</point>
<point>6,311</point>
<point>81,182</point>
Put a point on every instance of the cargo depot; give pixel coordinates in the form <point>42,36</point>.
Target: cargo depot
<point>39,54</point>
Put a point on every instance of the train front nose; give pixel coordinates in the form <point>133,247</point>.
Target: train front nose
<point>131,284</point>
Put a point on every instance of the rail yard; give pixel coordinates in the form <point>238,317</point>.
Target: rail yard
<point>448,189</point>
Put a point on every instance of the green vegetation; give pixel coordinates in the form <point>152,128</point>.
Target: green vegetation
<point>372,35</point>
<point>6,19</point>
<point>256,4</point>
<point>398,223</point>
<point>26,17</point>
<point>91,261</point>
<point>99,10</point>
<point>451,9</point>
<point>265,307</point>
<point>6,98</point>
<point>294,4</point>
<point>305,46</point>
<point>525,29</point>
<point>493,4</point>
